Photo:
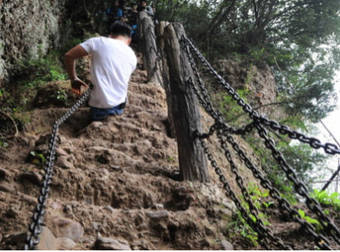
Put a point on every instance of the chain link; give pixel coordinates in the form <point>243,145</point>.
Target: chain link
<point>252,209</point>
<point>300,188</point>
<point>204,99</point>
<point>224,131</point>
<point>35,228</point>
<point>321,241</point>
<point>282,129</point>
<point>259,229</point>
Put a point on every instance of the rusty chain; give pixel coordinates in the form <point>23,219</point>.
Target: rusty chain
<point>35,227</point>
<point>220,125</point>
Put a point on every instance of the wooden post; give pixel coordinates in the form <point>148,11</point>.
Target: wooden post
<point>152,59</point>
<point>192,160</point>
<point>165,75</point>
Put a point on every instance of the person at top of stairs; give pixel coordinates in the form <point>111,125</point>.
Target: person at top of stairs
<point>113,62</point>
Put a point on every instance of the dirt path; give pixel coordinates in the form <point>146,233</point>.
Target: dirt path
<point>117,179</point>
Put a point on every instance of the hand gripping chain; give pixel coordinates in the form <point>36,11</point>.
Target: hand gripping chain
<point>35,228</point>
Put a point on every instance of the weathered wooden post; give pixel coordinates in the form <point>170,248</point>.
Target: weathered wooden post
<point>192,160</point>
<point>152,59</point>
<point>165,74</point>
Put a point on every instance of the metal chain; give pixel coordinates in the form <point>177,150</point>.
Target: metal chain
<point>252,209</point>
<point>321,241</point>
<point>35,228</point>
<point>300,188</point>
<point>229,193</point>
<point>204,99</point>
<point>282,129</point>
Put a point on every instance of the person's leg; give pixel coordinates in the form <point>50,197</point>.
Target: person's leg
<point>98,114</point>
<point>116,111</point>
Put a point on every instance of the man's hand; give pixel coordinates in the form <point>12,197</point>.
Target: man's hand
<point>70,57</point>
<point>76,86</point>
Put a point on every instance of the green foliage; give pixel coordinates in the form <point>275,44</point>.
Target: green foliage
<point>171,159</point>
<point>259,197</point>
<point>294,122</point>
<point>238,226</point>
<point>3,143</point>
<point>62,95</point>
<point>250,76</point>
<point>327,199</point>
<point>299,156</point>
<point>36,72</point>
<point>261,201</point>
<point>302,158</point>
<point>297,38</point>
<point>228,107</point>
<point>310,220</point>
<point>37,158</point>
<point>72,42</point>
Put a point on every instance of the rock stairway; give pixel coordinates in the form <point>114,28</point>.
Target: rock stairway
<point>115,184</point>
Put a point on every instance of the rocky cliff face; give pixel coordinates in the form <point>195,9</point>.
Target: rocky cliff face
<point>259,81</point>
<point>28,30</point>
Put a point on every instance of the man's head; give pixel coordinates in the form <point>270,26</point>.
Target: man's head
<point>143,3</point>
<point>116,3</point>
<point>121,30</point>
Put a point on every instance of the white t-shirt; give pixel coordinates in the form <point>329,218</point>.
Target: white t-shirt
<point>113,62</point>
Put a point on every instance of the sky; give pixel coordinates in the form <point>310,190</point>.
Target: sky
<point>332,121</point>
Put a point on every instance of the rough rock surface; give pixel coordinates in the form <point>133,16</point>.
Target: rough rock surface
<point>121,182</point>
<point>118,178</point>
<point>259,81</point>
<point>28,29</point>
<point>103,243</point>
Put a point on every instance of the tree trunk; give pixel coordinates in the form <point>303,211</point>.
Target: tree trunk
<point>192,160</point>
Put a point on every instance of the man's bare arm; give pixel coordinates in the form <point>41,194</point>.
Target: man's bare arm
<point>70,66</point>
<point>70,58</point>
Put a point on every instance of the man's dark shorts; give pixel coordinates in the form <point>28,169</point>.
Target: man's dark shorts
<point>99,114</point>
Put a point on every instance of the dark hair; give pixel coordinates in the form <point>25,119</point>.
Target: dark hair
<point>119,28</point>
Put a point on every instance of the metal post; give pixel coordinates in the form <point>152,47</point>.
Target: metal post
<point>331,179</point>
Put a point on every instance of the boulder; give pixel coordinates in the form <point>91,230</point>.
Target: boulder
<point>32,177</point>
<point>157,215</point>
<point>226,245</point>
<point>3,174</point>
<point>47,240</point>
<point>65,243</point>
<point>61,152</point>
<point>6,187</point>
<point>14,241</point>
<point>64,163</point>
<point>63,227</point>
<point>103,243</point>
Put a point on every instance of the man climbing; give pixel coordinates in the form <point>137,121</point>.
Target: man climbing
<point>113,62</point>
<point>144,7</point>
<point>133,20</point>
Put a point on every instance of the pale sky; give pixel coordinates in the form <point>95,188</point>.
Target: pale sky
<point>332,121</point>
